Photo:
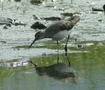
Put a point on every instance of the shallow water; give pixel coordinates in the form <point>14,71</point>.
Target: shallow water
<point>89,65</point>
<point>89,69</point>
<point>89,28</point>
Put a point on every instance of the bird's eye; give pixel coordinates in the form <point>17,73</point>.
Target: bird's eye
<point>38,35</point>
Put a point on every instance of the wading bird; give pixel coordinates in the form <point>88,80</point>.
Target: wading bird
<point>57,31</point>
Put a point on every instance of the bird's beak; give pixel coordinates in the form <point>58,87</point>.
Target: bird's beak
<point>32,43</point>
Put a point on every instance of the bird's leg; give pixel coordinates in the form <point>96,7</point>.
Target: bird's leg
<point>33,64</point>
<point>66,50</point>
<point>66,45</point>
<point>57,52</point>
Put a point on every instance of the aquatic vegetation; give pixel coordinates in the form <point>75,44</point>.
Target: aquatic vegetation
<point>73,45</point>
<point>24,46</point>
<point>94,52</point>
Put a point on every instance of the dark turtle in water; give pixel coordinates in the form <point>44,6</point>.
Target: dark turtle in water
<point>38,25</point>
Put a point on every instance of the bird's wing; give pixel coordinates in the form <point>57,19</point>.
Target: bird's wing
<point>69,23</point>
<point>60,26</point>
<point>54,28</point>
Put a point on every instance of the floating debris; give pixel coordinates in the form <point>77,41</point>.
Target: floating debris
<point>48,3</point>
<point>13,64</point>
<point>17,0</point>
<point>100,20</point>
<point>97,9</point>
<point>51,18</point>
<point>3,41</point>
<point>5,27</point>
<point>8,22</point>
<point>36,17</point>
<point>35,2</point>
<point>19,23</point>
<point>4,20</point>
<point>67,14</point>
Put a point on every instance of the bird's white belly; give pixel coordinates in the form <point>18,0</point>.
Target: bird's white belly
<point>61,35</point>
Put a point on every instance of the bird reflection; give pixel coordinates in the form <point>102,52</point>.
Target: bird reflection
<point>58,70</point>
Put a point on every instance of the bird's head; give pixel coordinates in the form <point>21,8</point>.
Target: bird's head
<point>39,35</point>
